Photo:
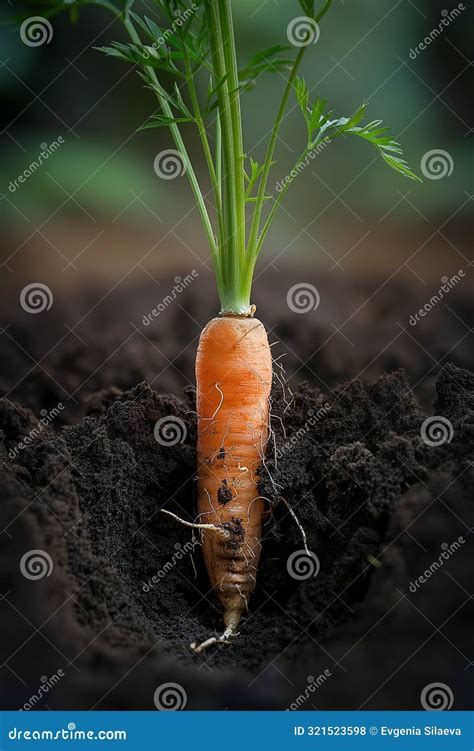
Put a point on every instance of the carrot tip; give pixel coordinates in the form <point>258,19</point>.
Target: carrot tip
<point>231,619</point>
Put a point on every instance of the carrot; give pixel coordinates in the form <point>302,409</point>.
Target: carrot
<point>233,375</point>
<point>233,364</point>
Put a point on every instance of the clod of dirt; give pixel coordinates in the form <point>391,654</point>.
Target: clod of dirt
<point>224,494</point>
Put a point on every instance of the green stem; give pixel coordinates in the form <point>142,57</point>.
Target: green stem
<point>228,42</point>
<point>230,251</point>
<point>218,156</point>
<point>134,36</point>
<point>205,144</point>
<point>257,214</point>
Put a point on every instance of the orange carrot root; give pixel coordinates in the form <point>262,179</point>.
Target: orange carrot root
<point>234,375</point>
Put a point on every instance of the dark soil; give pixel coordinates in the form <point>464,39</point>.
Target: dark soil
<point>93,341</point>
<point>126,597</point>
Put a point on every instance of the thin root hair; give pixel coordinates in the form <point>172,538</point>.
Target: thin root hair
<point>210,527</point>
<point>298,524</point>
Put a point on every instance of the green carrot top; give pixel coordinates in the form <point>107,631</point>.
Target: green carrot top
<point>198,39</point>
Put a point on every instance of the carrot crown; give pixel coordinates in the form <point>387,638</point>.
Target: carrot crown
<point>198,43</point>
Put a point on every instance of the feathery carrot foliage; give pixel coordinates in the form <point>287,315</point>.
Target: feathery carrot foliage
<point>197,40</point>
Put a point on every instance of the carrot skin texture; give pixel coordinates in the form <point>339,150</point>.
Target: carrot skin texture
<point>233,376</point>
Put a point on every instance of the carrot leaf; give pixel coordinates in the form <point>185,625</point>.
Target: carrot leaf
<point>322,127</point>
<point>266,61</point>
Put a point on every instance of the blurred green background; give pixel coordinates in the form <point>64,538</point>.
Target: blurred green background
<point>98,202</point>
